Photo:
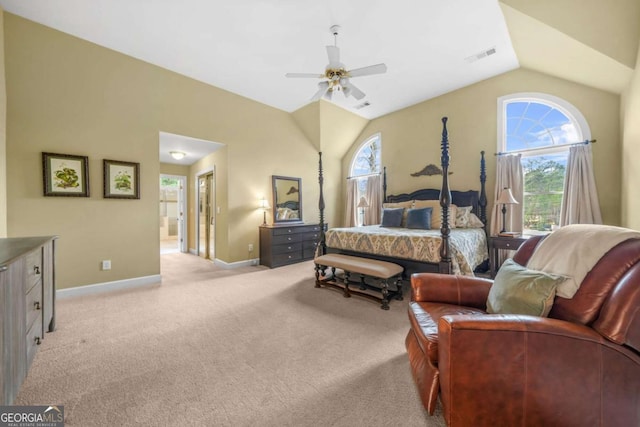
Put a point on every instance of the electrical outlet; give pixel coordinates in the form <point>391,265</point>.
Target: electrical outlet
<point>250,247</point>
<point>106,264</point>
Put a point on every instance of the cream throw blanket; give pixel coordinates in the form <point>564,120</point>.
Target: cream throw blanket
<point>572,251</point>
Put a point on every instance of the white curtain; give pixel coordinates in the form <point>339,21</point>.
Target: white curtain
<point>580,201</point>
<point>508,175</point>
<point>372,214</point>
<point>351,219</point>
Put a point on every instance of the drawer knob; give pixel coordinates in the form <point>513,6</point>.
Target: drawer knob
<point>36,305</point>
<point>36,269</point>
<point>289,230</point>
<point>288,247</point>
<point>289,256</point>
<point>288,238</point>
<point>38,340</point>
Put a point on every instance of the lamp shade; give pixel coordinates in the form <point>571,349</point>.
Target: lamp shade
<point>264,203</point>
<point>506,198</point>
<point>363,203</point>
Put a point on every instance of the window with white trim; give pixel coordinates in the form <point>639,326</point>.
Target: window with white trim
<point>366,162</point>
<point>541,128</point>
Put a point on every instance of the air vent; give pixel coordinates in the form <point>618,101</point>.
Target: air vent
<point>363,105</point>
<point>483,54</point>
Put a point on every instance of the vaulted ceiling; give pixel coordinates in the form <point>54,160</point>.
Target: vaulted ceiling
<point>430,47</point>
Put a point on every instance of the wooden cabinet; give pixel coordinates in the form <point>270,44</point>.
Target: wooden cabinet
<point>287,244</point>
<point>27,306</point>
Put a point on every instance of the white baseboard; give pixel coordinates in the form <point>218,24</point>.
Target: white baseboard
<point>193,251</point>
<point>99,288</point>
<point>237,264</point>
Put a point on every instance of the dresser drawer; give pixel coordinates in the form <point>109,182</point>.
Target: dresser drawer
<point>33,269</point>
<point>314,236</point>
<point>309,253</point>
<point>34,337</point>
<point>33,304</point>
<point>287,248</point>
<point>283,259</point>
<point>282,239</point>
<point>279,231</point>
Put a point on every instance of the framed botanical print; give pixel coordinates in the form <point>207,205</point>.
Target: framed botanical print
<point>65,175</point>
<point>121,180</point>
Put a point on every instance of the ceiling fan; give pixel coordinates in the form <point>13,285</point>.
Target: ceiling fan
<point>336,77</point>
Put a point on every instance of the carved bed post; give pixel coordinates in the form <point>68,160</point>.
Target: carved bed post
<point>445,202</point>
<point>482,203</point>
<point>384,184</point>
<point>322,243</point>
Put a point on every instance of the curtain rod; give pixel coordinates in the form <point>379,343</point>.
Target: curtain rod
<point>364,176</point>
<point>585,142</point>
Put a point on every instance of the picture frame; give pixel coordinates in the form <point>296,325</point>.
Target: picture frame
<point>121,179</point>
<point>65,175</point>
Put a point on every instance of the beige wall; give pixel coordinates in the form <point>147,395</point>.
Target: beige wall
<point>96,102</point>
<point>3,137</point>
<point>411,137</point>
<point>631,151</point>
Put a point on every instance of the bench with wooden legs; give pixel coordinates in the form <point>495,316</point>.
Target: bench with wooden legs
<point>367,269</point>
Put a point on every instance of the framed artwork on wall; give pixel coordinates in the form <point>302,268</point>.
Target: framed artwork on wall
<point>65,175</point>
<point>121,180</point>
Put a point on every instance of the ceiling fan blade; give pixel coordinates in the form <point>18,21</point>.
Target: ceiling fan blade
<point>354,91</point>
<point>328,94</point>
<point>323,87</point>
<point>314,75</point>
<point>366,71</point>
<point>334,56</point>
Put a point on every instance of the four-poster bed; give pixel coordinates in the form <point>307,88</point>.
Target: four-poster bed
<point>447,250</point>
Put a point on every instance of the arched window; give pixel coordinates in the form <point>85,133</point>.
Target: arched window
<point>365,163</point>
<point>541,128</point>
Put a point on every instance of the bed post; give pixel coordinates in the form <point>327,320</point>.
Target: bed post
<point>322,243</point>
<point>384,184</point>
<point>445,202</point>
<point>482,208</point>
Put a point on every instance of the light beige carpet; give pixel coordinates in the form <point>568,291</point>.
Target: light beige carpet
<point>212,347</point>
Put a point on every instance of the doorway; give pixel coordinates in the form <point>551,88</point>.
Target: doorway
<point>172,218</point>
<point>206,215</point>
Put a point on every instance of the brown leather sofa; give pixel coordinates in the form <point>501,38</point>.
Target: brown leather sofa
<point>578,367</point>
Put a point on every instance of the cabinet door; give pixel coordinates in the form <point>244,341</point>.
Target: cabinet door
<point>14,355</point>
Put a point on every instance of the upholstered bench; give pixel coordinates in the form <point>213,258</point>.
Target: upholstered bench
<point>365,267</point>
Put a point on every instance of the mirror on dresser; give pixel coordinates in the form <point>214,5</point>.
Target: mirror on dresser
<point>287,199</point>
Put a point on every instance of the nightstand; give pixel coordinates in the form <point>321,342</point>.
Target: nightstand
<point>502,242</point>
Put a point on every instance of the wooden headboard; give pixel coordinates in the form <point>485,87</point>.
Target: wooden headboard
<point>458,198</point>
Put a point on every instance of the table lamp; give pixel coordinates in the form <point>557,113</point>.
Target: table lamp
<point>505,198</point>
<point>363,204</point>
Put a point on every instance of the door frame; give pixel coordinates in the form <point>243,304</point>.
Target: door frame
<point>211,170</point>
<point>182,209</point>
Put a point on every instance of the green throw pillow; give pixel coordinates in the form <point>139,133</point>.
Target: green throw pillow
<point>518,290</point>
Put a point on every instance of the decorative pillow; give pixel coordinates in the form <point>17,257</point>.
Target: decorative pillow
<point>518,290</point>
<point>467,219</point>
<point>406,205</point>
<point>419,218</point>
<point>475,222</point>
<point>436,215</point>
<point>392,217</point>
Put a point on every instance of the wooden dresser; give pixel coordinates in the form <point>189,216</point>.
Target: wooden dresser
<point>287,244</point>
<point>27,306</point>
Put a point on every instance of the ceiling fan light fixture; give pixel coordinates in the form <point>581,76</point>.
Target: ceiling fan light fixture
<point>178,155</point>
<point>337,75</point>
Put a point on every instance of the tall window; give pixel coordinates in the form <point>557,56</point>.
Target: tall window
<point>366,162</point>
<point>541,128</point>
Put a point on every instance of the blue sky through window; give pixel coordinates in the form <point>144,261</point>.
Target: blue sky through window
<point>534,125</point>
